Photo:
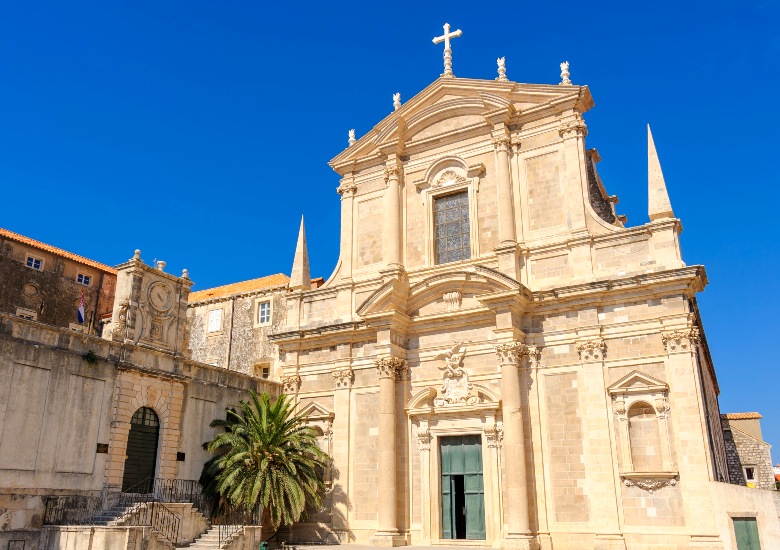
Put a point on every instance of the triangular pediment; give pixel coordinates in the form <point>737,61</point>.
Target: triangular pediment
<point>457,106</point>
<point>638,382</point>
<point>315,411</point>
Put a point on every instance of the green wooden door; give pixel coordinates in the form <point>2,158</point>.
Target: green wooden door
<point>141,454</point>
<point>462,488</point>
<point>746,532</point>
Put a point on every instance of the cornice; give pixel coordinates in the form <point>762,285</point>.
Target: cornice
<point>244,294</point>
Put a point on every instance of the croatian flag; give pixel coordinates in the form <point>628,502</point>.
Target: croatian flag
<point>81,308</point>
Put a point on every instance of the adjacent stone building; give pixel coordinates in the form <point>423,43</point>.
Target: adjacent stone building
<point>748,455</point>
<point>43,283</point>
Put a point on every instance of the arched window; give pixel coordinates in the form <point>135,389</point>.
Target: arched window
<point>645,438</point>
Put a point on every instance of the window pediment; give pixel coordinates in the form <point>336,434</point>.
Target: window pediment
<point>637,382</point>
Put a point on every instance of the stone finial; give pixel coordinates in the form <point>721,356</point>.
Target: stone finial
<point>300,278</point>
<point>447,50</point>
<point>501,69</point>
<point>565,81</point>
<point>396,101</point>
<point>352,139</point>
<point>658,204</point>
<point>185,274</point>
<point>137,254</point>
<point>161,265</point>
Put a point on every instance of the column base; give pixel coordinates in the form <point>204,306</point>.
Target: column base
<point>387,539</point>
<point>521,542</point>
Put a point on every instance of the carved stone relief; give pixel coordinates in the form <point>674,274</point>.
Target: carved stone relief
<point>453,300</point>
<point>291,384</point>
<point>343,378</point>
<point>456,388</point>
<point>391,367</point>
<point>681,340</point>
<point>592,350</point>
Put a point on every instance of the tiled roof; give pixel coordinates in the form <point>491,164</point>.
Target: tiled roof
<point>5,233</point>
<point>270,281</point>
<point>741,416</point>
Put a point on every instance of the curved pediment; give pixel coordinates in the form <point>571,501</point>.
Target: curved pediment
<point>471,283</point>
<point>424,402</point>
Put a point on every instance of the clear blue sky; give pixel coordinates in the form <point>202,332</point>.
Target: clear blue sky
<point>200,131</point>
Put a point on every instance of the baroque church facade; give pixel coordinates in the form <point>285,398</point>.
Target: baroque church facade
<point>496,360</point>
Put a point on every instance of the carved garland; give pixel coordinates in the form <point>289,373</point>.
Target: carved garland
<point>681,340</point>
<point>424,439</point>
<point>494,435</point>
<point>649,484</point>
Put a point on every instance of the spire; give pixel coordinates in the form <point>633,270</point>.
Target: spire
<point>300,278</point>
<point>658,199</point>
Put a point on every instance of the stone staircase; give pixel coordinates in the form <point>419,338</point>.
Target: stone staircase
<point>210,540</point>
<point>113,516</point>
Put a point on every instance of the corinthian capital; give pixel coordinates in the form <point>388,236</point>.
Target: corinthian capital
<point>573,128</point>
<point>501,143</point>
<point>342,378</point>
<point>511,352</point>
<point>390,367</point>
<point>681,340</point>
<point>392,173</point>
<point>346,189</point>
<point>291,384</point>
<point>592,350</point>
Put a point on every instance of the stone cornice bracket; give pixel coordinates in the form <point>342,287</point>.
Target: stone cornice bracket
<point>592,350</point>
<point>573,127</point>
<point>511,352</point>
<point>681,341</point>
<point>346,189</point>
<point>391,367</point>
<point>291,384</point>
<point>343,378</point>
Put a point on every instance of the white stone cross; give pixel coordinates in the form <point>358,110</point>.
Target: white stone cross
<point>447,50</point>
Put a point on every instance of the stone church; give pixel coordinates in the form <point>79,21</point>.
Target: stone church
<point>496,360</point>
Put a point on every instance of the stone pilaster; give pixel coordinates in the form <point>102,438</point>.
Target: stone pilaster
<point>514,384</point>
<point>342,382</point>
<point>506,215</point>
<point>392,222</point>
<point>390,369</point>
<point>347,190</point>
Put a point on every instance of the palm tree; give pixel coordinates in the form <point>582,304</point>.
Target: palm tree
<point>267,457</point>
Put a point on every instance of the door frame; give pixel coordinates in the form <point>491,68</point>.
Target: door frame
<point>158,448</point>
<point>427,425</point>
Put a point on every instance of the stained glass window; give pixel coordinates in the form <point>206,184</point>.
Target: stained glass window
<point>452,240</point>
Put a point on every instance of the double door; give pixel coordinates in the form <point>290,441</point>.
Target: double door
<point>462,488</point>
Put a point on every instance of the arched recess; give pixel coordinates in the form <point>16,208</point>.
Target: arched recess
<point>141,454</point>
<point>644,438</point>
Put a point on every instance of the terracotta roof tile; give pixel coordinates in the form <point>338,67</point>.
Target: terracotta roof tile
<point>54,250</point>
<point>270,281</point>
<point>741,416</point>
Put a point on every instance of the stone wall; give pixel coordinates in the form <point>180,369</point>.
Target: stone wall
<point>743,450</point>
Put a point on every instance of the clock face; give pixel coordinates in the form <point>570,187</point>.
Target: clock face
<point>160,296</point>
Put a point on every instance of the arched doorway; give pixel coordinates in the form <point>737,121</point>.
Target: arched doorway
<point>141,454</point>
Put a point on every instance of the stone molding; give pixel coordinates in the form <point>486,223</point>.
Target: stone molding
<point>592,350</point>
<point>453,300</point>
<point>346,189</point>
<point>391,367</point>
<point>343,378</point>
<point>679,341</point>
<point>450,177</point>
<point>291,384</point>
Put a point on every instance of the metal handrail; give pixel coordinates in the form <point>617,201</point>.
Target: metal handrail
<point>233,520</point>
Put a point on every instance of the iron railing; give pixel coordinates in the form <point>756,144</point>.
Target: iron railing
<point>231,521</point>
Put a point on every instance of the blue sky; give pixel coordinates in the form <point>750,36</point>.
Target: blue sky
<point>200,131</point>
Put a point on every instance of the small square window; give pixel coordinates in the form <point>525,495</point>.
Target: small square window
<point>263,313</point>
<point>750,474</point>
<point>215,320</point>
<point>34,263</point>
<point>28,314</point>
<point>83,279</point>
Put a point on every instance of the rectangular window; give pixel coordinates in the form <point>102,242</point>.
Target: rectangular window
<point>35,263</point>
<point>215,320</point>
<point>750,476</point>
<point>28,314</point>
<point>452,233</point>
<point>266,372</point>
<point>263,313</point>
<point>83,279</point>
